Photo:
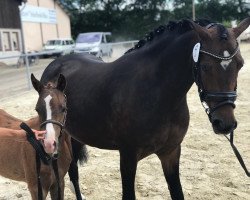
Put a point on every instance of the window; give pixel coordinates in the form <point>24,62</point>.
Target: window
<point>103,39</point>
<point>15,41</point>
<point>6,41</point>
<point>108,38</point>
<point>10,40</point>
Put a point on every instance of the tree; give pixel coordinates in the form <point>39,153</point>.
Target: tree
<point>132,19</point>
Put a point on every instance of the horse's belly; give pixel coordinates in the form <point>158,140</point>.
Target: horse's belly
<point>100,141</point>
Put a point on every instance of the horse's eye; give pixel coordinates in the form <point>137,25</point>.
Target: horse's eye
<point>37,110</point>
<point>205,68</point>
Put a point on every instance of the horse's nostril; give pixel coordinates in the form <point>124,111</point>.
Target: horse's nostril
<point>224,128</point>
<point>217,123</point>
<point>55,156</point>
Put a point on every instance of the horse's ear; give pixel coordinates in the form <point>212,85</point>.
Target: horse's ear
<point>202,32</point>
<point>36,83</point>
<point>61,83</point>
<point>241,27</point>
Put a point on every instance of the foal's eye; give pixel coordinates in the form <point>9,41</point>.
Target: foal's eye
<point>63,109</point>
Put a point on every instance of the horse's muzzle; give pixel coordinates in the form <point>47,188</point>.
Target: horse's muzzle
<point>222,127</point>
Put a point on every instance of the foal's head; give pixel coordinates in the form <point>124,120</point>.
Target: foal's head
<point>217,65</point>
<point>51,108</point>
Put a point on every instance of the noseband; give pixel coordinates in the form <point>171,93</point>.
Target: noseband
<point>221,98</point>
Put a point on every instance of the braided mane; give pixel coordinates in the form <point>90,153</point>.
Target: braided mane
<point>182,27</point>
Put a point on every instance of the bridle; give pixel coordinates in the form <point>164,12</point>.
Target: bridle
<point>221,98</point>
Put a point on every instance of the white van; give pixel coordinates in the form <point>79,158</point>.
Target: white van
<point>96,43</point>
<point>58,47</point>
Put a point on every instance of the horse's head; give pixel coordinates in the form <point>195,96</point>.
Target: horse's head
<point>218,61</point>
<point>51,108</point>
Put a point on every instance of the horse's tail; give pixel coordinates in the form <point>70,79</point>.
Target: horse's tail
<point>83,154</point>
<point>80,152</point>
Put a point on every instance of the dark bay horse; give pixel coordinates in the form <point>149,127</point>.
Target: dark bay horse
<point>137,104</point>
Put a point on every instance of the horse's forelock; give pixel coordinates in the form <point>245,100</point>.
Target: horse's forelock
<point>223,32</point>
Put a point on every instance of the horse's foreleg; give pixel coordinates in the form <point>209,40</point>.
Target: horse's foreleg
<point>128,165</point>
<point>170,166</point>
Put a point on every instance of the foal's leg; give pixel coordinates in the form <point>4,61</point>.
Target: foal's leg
<point>54,190</point>
<point>170,166</point>
<point>128,165</point>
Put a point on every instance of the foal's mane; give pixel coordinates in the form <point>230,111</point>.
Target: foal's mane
<point>178,27</point>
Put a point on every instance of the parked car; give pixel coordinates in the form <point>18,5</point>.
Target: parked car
<point>58,47</point>
<point>96,43</point>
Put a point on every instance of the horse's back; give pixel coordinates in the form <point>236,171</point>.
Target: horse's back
<point>8,121</point>
<point>70,64</point>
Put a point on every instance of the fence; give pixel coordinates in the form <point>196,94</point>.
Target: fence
<point>16,78</point>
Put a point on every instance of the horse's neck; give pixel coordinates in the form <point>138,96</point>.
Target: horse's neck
<point>169,64</point>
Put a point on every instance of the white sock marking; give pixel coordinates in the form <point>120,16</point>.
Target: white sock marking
<point>225,63</point>
<point>72,188</point>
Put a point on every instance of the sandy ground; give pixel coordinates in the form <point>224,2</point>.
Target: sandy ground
<point>209,169</point>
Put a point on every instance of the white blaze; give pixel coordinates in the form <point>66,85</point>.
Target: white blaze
<point>49,127</point>
<point>225,63</point>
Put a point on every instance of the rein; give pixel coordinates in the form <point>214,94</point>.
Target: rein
<point>222,98</point>
<point>237,154</point>
<point>40,155</point>
<point>54,160</point>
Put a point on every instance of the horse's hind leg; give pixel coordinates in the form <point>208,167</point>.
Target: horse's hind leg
<point>128,165</point>
<point>170,166</point>
<point>79,153</point>
<point>74,178</point>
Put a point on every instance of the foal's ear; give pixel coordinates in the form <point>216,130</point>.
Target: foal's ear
<point>241,27</point>
<point>61,83</point>
<point>36,83</point>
